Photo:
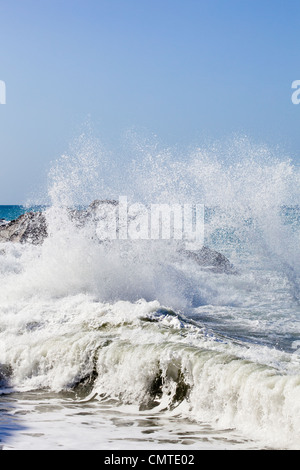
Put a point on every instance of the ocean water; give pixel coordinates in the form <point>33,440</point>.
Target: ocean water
<point>8,213</point>
<point>123,345</point>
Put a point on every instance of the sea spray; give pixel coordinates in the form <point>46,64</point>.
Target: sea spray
<point>134,321</point>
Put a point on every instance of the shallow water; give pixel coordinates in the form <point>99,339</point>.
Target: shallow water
<point>43,421</point>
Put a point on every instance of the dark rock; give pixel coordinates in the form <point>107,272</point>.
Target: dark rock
<point>210,259</point>
<point>31,227</point>
<point>28,228</point>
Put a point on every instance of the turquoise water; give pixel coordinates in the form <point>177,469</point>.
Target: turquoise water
<point>14,211</point>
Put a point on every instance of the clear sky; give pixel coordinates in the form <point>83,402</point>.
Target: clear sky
<point>178,68</point>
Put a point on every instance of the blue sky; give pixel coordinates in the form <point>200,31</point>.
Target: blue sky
<point>181,69</point>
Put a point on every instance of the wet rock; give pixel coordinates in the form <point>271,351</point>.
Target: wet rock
<point>31,227</point>
<point>28,228</point>
<point>210,259</point>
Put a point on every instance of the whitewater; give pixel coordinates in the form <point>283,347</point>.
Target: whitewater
<point>123,344</point>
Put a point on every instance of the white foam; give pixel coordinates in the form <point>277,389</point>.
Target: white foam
<point>72,307</point>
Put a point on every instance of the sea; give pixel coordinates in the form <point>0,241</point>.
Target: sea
<point>122,345</point>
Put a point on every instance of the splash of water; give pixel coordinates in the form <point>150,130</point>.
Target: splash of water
<point>74,309</point>
<point>247,192</point>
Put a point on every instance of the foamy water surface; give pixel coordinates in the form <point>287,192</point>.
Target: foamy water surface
<point>126,344</point>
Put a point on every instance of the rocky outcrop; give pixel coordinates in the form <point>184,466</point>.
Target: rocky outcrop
<point>31,227</point>
<point>210,259</point>
<point>28,228</point>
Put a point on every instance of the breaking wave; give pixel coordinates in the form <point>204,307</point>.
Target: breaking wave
<point>134,321</point>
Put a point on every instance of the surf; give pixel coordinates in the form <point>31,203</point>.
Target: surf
<point>136,322</point>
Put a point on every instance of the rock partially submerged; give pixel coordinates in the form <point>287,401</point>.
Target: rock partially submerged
<point>210,259</point>
<point>31,227</point>
<point>28,228</point>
